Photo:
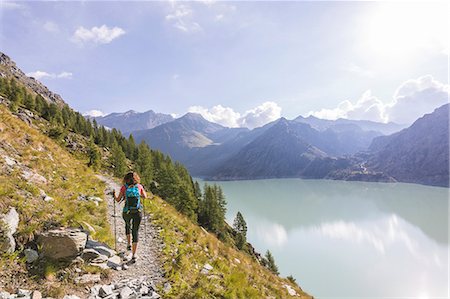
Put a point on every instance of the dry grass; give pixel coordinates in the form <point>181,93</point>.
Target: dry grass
<point>66,178</point>
<point>188,248</point>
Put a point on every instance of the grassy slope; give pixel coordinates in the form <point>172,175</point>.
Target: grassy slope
<point>67,178</point>
<point>188,248</point>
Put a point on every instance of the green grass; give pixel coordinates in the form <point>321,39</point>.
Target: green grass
<point>187,248</point>
<point>67,177</point>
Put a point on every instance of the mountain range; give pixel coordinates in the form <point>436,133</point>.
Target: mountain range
<point>131,120</point>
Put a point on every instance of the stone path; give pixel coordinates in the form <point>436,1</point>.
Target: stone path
<point>149,246</point>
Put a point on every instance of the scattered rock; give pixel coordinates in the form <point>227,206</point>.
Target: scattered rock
<point>31,255</point>
<point>23,293</point>
<point>237,261</point>
<point>88,278</point>
<point>36,295</point>
<point>126,292</point>
<point>4,295</point>
<point>206,268</point>
<point>62,243</point>
<point>90,255</point>
<point>105,290</point>
<point>33,177</point>
<point>71,297</point>
<point>167,287</point>
<point>101,248</point>
<point>290,290</point>
<point>8,226</point>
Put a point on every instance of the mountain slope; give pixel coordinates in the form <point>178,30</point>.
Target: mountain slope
<point>286,149</point>
<point>341,123</point>
<point>133,121</point>
<point>181,137</point>
<point>418,154</point>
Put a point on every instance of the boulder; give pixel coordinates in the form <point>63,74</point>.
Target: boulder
<point>30,255</point>
<point>62,243</point>
<point>8,226</point>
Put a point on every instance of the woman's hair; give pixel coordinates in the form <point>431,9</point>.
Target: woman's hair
<point>131,178</point>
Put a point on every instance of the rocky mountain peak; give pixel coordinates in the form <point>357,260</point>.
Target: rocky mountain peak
<point>8,68</point>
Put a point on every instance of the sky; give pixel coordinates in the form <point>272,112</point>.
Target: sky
<point>236,63</point>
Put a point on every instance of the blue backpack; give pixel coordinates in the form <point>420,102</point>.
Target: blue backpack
<point>132,199</point>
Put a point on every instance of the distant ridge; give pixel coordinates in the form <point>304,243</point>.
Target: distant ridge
<point>131,120</point>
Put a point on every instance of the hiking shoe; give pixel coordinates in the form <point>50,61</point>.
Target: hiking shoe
<point>128,247</point>
<point>133,259</point>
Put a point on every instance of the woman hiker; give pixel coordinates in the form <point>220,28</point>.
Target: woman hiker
<point>131,192</point>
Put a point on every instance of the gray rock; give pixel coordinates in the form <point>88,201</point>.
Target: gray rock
<point>144,290</point>
<point>114,261</point>
<point>36,295</point>
<point>71,297</point>
<point>62,243</point>
<point>33,177</point>
<point>23,293</point>
<point>167,287</point>
<point>101,248</point>
<point>31,255</point>
<point>90,254</point>
<point>207,267</point>
<point>8,226</point>
<point>4,295</point>
<point>88,278</point>
<point>126,293</point>
<point>105,290</point>
<point>155,296</point>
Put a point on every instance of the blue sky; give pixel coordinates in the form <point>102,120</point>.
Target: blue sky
<point>237,63</point>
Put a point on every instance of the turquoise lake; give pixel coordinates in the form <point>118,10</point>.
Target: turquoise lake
<point>349,239</point>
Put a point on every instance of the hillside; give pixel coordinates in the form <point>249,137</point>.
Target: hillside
<point>48,187</point>
<point>130,121</point>
<point>417,154</point>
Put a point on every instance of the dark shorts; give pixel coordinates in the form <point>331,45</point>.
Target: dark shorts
<point>132,222</point>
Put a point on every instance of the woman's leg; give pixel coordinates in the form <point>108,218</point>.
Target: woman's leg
<point>137,217</point>
<point>127,219</point>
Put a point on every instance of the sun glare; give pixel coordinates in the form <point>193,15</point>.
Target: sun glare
<point>402,30</point>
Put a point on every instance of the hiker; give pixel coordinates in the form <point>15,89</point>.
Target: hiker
<point>131,192</point>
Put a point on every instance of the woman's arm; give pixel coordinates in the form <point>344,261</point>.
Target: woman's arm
<point>121,194</point>
<point>143,193</point>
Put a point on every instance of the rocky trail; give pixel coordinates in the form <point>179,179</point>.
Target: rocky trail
<point>146,272</point>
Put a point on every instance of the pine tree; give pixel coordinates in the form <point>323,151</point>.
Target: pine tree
<point>94,155</point>
<point>197,191</point>
<point>29,102</point>
<point>212,211</point>
<point>144,164</point>
<point>240,227</point>
<point>118,160</point>
<point>271,263</point>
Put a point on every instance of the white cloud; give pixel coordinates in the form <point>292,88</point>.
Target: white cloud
<point>51,26</point>
<point>181,17</point>
<point>94,113</point>
<point>253,118</point>
<point>175,76</point>
<point>222,115</point>
<point>11,5</point>
<point>42,75</point>
<point>97,35</point>
<point>412,99</point>
<point>261,115</point>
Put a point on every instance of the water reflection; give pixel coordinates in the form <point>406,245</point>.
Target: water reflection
<point>349,239</point>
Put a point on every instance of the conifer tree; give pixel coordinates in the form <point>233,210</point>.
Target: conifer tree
<point>118,160</point>
<point>271,263</point>
<point>240,227</point>
<point>94,155</point>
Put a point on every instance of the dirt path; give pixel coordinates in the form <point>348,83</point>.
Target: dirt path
<point>149,246</point>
